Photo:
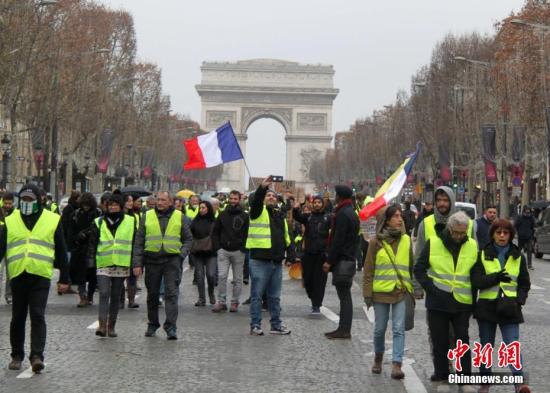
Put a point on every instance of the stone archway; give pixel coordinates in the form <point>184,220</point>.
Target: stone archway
<point>298,96</point>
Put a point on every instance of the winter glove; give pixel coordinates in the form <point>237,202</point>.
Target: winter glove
<point>503,276</point>
<point>368,302</point>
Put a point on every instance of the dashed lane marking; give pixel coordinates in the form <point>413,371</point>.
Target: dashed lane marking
<point>412,383</point>
<point>369,314</point>
<point>94,325</point>
<point>27,373</point>
<point>329,314</point>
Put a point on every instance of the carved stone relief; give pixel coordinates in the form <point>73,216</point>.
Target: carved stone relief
<point>215,119</point>
<point>312,121</point>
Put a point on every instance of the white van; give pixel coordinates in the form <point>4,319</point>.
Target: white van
<point>469,208</point>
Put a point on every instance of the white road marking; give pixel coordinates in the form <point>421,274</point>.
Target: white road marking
<point>546,279</point>
<point>94,325</point>
<point>329,314</point>
<point>369,314</point>
<point>412,383</point>
<point>533,286</point>
<point>546,302</point>
<point>27,373</point>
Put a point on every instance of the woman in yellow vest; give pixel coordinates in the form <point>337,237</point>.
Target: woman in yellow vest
<point>500,271</point>
<point>387,278</point>
<point>110,250</point>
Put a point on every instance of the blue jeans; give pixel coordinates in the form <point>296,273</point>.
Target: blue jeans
<point>487,334</point>
<point>266,277</point>
<point>381,316</point>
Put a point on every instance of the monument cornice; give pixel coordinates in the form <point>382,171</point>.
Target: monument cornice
<point>266,90</point>
<point>309,138</point>
<point>268,65</point>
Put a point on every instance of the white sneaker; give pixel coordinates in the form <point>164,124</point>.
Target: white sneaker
<point>256,331</point>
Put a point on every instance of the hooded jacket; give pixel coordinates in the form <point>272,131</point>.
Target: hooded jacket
<point>436,299</point>
<point>370,263</point>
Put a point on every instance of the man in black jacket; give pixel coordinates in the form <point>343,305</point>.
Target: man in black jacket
<point>229,238</point>
<point>317,225</point>
<point>525,228</point>
<point>483,225</point>
<point>268,241</point>
<point>342,247</point>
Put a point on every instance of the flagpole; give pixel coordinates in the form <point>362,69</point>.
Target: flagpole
<point>244,159</point>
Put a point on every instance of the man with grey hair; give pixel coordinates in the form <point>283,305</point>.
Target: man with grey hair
<point>443,269</point>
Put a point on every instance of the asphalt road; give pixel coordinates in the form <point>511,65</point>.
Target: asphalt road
<point>216,353</point>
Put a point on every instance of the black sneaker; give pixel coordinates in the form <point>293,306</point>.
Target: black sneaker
<point>338,335</point>
<point>280,330</point>
<point>151,331</point>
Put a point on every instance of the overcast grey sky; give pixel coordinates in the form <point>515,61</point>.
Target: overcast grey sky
<point>375,47</point>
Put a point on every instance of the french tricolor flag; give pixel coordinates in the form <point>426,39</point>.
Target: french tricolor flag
<point>215,148</point>
<point>391,188</point>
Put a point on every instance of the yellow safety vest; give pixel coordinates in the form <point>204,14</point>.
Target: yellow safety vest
<point>31,251</point>
<point>191,213</point>
<point>117,250</point>
<point>429,227</point>
<point>154,240</point>
<point>259,232</point>
<point>493,266</point>
<point>444,274</point>
<point>385,278</point>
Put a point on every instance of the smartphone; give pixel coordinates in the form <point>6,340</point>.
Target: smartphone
<point>276,179</point>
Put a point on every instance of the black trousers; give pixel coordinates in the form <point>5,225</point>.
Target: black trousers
<point>29,295</point>
<point>438,323</point>
<point>170,270</point>
<point>315,279</point>
<point>346,307</point>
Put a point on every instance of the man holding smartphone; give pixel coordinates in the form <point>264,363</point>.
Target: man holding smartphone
<point>268,241</point>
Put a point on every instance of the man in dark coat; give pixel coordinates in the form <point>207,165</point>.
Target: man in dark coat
<point>342,248</point>
<point>525,228</point>
<point>483,225</point>
<point>317,224</point>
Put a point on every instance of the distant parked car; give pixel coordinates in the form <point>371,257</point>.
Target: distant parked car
<point>469,208</point>
<point>541,243</point>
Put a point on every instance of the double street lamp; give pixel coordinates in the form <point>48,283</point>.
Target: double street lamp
<point>542,29</point>
<point>5,144</point>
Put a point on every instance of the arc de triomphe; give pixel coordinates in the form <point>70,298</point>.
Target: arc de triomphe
<point>299,96</point>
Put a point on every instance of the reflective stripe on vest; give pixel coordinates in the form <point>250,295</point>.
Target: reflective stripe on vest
<point>117,250</point>
<point>444,274</point>
<point>429,227</point>
<point>493,266</point>
<point>31,251</point>
<point>259,232</point>
<point>385,278</point>
<point>154,240</point>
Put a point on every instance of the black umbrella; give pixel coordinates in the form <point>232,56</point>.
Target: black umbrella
<point>136,191</point>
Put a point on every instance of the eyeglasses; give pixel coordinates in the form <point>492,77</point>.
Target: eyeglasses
<point>458,233</point>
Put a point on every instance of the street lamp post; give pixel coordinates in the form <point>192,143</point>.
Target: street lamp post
<point>542,30</point>
<point>5,144</point>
